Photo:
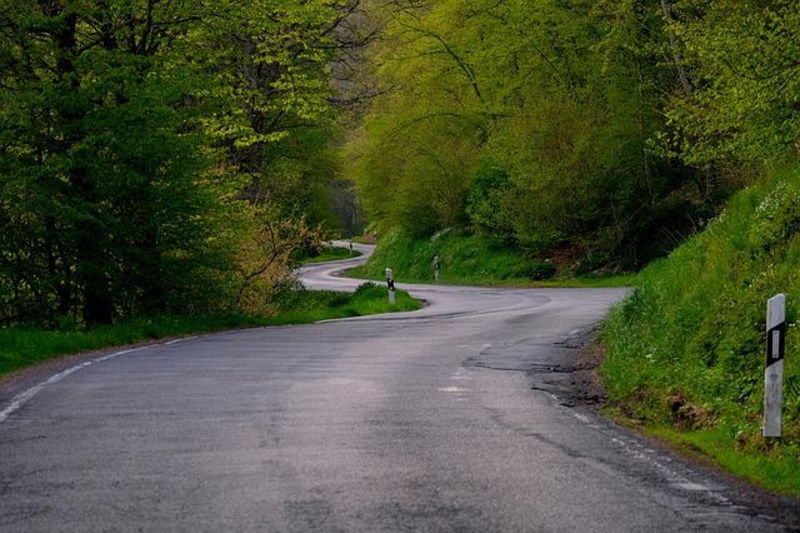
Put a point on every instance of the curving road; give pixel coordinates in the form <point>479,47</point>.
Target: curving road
<point>446,419</point>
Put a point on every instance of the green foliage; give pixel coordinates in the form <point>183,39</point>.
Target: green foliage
<point>371,298</point>
<point>25,347</point>
<point>530,122</point>
<point>101,205</point>
<point>416,150</point>
<point>740,59</point>
<point>299,175</point>
<point>272,60</point>
<point>129,131</point>
<point>686,349</point>
<point>775,470</point>
<point>463,259</point>
<point>303,306</point>
<point>332,253</point>
<point>486,200</point>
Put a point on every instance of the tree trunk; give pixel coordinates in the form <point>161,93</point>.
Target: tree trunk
<point>677,58</point>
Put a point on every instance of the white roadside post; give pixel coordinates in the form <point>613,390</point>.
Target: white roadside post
<point>436,267</point>
<point>390,286</point>
<point>773,374</point>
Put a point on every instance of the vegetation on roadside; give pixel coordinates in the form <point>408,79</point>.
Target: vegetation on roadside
<point>331,253</point>
<point>605,135</point>
<point>686,351</point>
<point>164,156</point>
<point>181,157</point>
<point>471,260</point>
<point>24,347</point>
<point>602,132</point>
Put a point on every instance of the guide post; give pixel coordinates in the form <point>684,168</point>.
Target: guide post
<point>390,286</point>
<point>773,373</point>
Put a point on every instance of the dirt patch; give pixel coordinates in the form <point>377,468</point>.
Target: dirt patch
<point>587,387</point>
<point>576,381</point>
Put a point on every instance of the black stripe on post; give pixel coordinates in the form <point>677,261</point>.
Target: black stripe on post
<point>776,343</point>
<point>773,373</point>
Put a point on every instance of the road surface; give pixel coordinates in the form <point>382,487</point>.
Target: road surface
<point>439,420</point>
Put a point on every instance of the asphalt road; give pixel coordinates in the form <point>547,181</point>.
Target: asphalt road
<point>426,421</point>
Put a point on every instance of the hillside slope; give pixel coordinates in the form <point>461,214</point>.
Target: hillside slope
<point>686,350</point>
<point>466,258</point>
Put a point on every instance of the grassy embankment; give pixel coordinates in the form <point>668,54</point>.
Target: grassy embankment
<point>686,351</point>
<point>468,260</point>
<point>333,253</point>
<point>25,347</point>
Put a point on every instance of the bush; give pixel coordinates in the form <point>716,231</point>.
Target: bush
<point>367,288</point>
<point>536,270</point>
<point>464,258</point>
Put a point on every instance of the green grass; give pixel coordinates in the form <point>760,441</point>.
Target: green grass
<point>332,253</point>
<point>685,352</point>
<point>368,299</point>
<point>771,469</point>
<point>467,260</point>
<point>25,347</point>
<point>585,282</point>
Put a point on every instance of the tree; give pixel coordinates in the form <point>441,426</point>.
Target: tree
<point>745,61</point>
<point>98,164</point>
<point>130,129</point>
<point>538,120</point>
<point>275,59</point>
<point>419,142</point>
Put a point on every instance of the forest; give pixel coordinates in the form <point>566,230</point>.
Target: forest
<point>178,156</point>
<point>163,157</point>
<point>601,134</point>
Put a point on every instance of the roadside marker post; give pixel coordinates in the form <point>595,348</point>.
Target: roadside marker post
<point>773,373</point>
<point>436,267</point>
<point>390,286</point>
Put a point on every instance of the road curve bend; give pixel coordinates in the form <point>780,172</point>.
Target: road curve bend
<point>422,421</point>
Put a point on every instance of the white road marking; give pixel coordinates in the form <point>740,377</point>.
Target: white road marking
<point>453,389</point>
<point>639,452</point>
<point>176,341</point>
<point>692,487</point>
<point>582,418</point>
<point>19,400</point>
<point>22,398</point>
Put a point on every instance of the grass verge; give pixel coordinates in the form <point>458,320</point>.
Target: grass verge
<point>686,350</point>
<point>770,468</point>
<point>332,253</point>
<point>771,471</point>
<point>26,347</point>
<point>468,260</point>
